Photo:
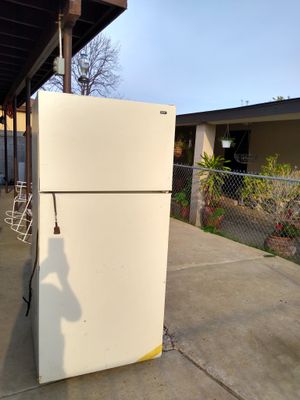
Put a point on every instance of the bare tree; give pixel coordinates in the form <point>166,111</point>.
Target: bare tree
<point>103,57</point>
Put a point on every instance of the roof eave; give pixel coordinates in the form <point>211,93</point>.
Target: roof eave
<point>285,109</point>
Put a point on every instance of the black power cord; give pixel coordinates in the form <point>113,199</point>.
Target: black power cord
<point>56,232</point>
<point>56,227</point>
<point>28,300</point>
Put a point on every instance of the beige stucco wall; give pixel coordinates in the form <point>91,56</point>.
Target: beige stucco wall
<point>282,137</point>
<point>21,122</point>
<point>205,140</point>
<point>268,138</point>
<point>204,143</point>
<point>21,127</point>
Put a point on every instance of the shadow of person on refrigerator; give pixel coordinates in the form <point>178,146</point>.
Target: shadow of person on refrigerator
<point>57,302</point>
<point>17,367</point>
<point>18,371</point>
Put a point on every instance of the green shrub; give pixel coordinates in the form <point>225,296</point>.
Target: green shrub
<point>211,182</point>
<point>181,198</point>
<point>277,197</point>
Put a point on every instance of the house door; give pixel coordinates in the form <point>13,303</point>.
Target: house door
<point>233,184</point>
<point>241,140</point>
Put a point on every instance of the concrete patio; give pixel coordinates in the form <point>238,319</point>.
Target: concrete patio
<point>233,320</point>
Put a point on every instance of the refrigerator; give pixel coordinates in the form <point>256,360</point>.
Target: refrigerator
<point>105,166</point>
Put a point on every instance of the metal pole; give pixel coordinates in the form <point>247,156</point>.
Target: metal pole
<point>71,14</point>
<point>68,58</point>
<point>5,152</point>
<point>28,139</point>
<point>274,178</point>
<point>15,144</point>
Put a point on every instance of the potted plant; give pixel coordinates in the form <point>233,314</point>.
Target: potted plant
<point>178,148</point>
<point>211,181</point>
<point>282,240</point>
<point>278,199</point>
<point>213,217</point>
<point>227,140</point>
<point>183,201</point>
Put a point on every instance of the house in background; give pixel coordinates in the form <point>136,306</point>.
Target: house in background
<point>259,130</point>
<point>21,127</point>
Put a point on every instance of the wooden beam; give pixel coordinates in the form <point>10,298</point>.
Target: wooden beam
<point>5,68</point>
<point>10,63</point>
<point>71,13</point>
<point>21,32</point>
<point>118,3</point>
<point>15,14</point>
<point>14,43</point>
<point>6,54</point>
<point>6,74</point>
<point>44,47</point>
<point>35,4</point>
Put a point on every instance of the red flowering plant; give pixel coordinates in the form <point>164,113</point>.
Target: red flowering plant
<point>286,229</point>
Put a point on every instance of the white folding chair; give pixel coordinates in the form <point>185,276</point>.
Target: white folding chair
<point>23,227</point>
<point>19,201</point>
<point>25,237</point>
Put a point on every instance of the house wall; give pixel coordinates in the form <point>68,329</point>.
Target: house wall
<point>282,137</point>
<point>21,127</point>
<point>10,153</point>
<point>21,122</point>
<point>267,138</point>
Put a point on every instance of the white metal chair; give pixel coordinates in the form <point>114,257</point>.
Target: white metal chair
<point>24,225</point>
<point>22,220</point>
<point>25,237</point>
<point>19,201</point>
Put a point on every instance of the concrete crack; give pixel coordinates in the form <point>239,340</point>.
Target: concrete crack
<point>220,383</point>
<point>169,342</point>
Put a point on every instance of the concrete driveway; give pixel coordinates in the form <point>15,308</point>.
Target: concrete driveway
<point>235,313</point>
<point>232,318</point>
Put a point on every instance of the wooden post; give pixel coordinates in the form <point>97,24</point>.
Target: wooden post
<point>15,144</point>
<point>71,13</point>
<point>28,139</point>
<point>68,58</point>
<point>5,152</point>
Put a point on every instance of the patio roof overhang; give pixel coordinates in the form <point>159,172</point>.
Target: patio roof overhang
<point>263,112</point>
<point>29,38</point>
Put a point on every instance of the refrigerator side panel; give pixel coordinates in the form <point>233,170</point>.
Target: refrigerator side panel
<point>102,281</point>
<point>93,144</point>
<point>34,312</point>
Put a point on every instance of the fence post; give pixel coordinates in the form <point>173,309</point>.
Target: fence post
<point>196,201</point>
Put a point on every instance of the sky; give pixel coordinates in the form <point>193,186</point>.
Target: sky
<point>208,54</point>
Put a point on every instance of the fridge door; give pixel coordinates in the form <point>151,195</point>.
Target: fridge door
<point>101,282</point>
<point>94,144</point>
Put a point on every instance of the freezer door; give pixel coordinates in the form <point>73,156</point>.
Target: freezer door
<point>92,144</point>
<point>101,281</point>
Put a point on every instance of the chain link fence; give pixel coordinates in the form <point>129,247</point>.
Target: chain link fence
<point>257,210</point>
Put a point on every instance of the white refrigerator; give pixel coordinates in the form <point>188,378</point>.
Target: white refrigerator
<point>99,287</point>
